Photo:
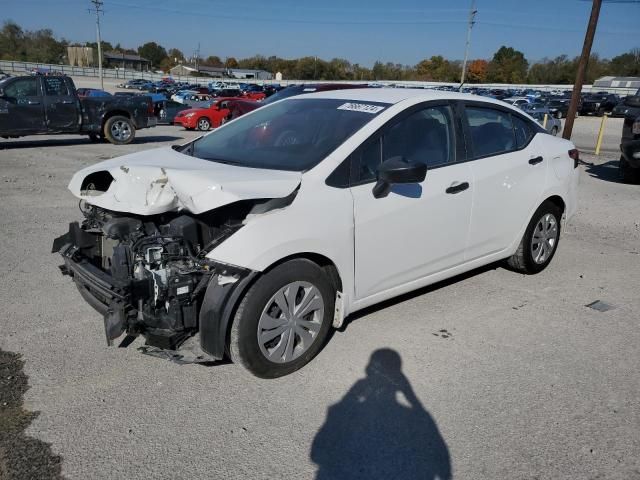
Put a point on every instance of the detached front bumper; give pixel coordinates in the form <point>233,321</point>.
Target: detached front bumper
<point>631,152</point>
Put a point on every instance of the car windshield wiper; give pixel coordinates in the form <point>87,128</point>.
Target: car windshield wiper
<point>220,160</point>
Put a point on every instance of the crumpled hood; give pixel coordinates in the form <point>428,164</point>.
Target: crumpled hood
<point>163,180</point>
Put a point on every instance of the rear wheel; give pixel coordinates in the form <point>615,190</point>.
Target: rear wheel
<point>119,130</point>
<point>540,240</point>
<point>283,320</point>
<point>204,124</point>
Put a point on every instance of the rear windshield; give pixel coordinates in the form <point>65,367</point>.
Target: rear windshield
<point>293,135</point>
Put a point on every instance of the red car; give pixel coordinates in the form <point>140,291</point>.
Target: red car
<point>205,118</point>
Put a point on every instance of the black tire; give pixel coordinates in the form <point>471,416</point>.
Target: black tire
<point>559,115</point>
<point>123,122</point>
<point>600,112</point>
<point>554,131</point>
<point>522,260</point>
<point>243,345</point>
<point>627,174</point>
<point>204,125</point>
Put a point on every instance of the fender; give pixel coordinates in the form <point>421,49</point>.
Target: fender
<point>218,305</point>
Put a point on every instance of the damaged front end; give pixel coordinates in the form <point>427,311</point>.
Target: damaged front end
<point>148,275</point>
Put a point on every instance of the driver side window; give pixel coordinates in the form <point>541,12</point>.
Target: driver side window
<point>425,136</point>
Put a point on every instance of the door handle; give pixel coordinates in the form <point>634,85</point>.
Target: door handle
<point>535,160</point>
<point>457,187</point>
<point>33,102</point>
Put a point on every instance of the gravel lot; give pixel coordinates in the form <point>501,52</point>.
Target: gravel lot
<point>503,376</point>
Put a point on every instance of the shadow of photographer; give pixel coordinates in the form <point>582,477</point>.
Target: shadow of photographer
<point>380,430</point>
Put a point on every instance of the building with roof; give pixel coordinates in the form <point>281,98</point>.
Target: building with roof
<point>126,61</point>
<point>220,72</point>
<point>617,82</point>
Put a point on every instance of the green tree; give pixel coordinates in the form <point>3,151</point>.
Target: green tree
<point>627,64</point>
<point>508,66</point>
<point>153,52</point>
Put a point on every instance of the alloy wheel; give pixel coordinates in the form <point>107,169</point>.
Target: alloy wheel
<point>121,131</point>
<point>544,238</point>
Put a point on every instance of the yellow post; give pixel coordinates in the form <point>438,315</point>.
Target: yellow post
<point>544,122</point>
<point>601,133</point>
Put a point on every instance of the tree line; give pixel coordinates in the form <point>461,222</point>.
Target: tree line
<point>507,65</point>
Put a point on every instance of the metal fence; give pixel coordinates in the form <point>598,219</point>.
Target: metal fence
<point>18,68</point>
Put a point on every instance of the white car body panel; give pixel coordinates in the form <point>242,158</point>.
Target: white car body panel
<point>390,251</point>
<point>170,181</point>
<point>380,247</point>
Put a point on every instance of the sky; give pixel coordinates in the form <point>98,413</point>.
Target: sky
<point>362,31</point>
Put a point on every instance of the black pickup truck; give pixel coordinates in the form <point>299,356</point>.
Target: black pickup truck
<point>49,104</point>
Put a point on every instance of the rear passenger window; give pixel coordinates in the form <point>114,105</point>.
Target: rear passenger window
<point>55,86</point>
<point>524,132</point>
<point>491,131</point>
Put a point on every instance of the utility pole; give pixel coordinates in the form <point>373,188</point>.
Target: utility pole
<point>472,22</point>
<point>582,67</point>
<point>97,5</point>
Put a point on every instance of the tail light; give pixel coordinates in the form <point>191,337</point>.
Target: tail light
<point>574,153</point>
<point>150,107</point>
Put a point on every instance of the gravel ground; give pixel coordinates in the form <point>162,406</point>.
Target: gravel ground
<point>491,375</point>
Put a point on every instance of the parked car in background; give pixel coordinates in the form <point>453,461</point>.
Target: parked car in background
<point>34,105</point>
<point>629,164</point>
<point>166,110</point>
<point>559,108</point>
<point>92,92</point>
<point>598,104</point>
<point>181,95</point>
<point>517,101</point>
<point>227,92</point>
<point>262,236</point>
<point>135,83</point>
<point>553,124</point>
<point>197,100</point>
<point>621,109</point>
<point>203,119</point>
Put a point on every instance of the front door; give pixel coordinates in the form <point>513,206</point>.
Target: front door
<point>21,109</point>
<point>418,229</point>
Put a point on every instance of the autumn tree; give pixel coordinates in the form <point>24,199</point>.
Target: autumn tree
<point>477,71</point>
<point>153,52</point>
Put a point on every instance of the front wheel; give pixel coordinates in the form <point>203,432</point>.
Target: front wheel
<point>540,240</point>
<point>204,124</point>
<point>283,320</point>
<point>119,130</point>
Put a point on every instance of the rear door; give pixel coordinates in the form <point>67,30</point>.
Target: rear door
<point>21,109</point>
<point>509,168</point>
<point>62,107</point>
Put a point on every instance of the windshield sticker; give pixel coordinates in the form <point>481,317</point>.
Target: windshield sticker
<point>361,107</point>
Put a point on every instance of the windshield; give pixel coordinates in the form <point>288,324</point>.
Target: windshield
<point>294,135</point>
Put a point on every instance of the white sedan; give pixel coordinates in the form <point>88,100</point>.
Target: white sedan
<point>254,240</point>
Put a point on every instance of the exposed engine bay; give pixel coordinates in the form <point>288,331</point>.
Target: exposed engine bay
<point>148,274</point>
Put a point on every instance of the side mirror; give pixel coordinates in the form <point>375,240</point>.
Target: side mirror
<point>396,170</point>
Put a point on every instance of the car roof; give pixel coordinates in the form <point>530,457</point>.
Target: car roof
<point>396,95</point>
